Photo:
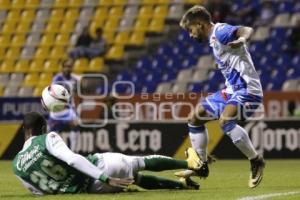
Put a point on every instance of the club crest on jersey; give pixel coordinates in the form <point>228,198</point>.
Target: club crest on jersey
<point>215,44</point>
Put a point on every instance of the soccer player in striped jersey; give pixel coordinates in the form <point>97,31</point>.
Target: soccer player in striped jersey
<point>241,97</point>
<point>67,118</point>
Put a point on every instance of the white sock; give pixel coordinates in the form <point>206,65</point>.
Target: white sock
<point>241,139</point>
<point>73,140</point>
<point>199,139</point>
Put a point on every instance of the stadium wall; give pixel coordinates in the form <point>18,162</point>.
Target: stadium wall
<point>274,139</point>
<point>162,132</point>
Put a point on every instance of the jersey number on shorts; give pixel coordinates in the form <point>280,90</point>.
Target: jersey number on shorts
<point>56,172</point>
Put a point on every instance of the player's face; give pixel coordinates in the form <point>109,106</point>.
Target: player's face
<point>196,32</point>
<point>67,69</point>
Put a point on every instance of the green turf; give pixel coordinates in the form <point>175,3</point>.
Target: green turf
<point>228,180</point>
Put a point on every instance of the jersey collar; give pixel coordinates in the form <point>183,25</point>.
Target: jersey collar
<point>27,143</point>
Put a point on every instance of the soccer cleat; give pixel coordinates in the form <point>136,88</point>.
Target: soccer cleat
<point>203,172</point>
<point>192,157</point>
<point>188,183</point>
<point>185,173</point>
<point>193,160</point>
<point>257,168</point>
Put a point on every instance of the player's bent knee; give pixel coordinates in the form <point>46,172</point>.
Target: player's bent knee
<point>195,117</point>
<point>227,125</point>
<point>195,121</point>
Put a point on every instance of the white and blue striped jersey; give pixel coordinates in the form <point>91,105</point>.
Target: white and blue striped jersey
<point>236,64</point>
<point>70,83</point>
<point>68,114</point>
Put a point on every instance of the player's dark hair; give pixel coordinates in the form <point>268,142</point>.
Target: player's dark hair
<point>195,14</point>
<point>35,122</point>
<point>99,30</point>
<point>64,62</point>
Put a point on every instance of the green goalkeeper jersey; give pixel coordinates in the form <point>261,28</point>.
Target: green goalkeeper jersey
<point>36,166</point>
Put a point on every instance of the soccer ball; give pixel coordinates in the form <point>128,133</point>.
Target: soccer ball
<point>55,98</point>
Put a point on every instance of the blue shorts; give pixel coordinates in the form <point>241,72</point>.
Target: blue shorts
<point>215,103</point>
<point>62,120</point>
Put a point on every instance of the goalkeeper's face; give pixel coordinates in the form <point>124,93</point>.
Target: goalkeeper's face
<point>197,31</point>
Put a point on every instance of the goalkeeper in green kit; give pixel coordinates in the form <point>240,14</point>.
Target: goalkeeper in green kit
<point>46,165</point>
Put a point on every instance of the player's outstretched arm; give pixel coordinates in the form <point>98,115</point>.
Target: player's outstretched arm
<point>57,147</point>
<point>243,34</point>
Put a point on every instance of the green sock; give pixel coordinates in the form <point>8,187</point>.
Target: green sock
<point>153,182</point>
<point>160,163</point>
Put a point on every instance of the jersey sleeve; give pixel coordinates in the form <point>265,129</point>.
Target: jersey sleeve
<point>58,148</point>
<point>226,33</point>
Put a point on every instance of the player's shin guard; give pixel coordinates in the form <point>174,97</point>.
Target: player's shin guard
<point>160,163</point>
<point>240,138</point>
<point>153,182</point>
<point>199,139</point>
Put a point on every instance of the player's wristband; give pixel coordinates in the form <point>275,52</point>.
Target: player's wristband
<point>242,39</point>
<point>103,178</point>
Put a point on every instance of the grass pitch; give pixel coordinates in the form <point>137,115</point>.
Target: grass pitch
<point>228,180</point>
